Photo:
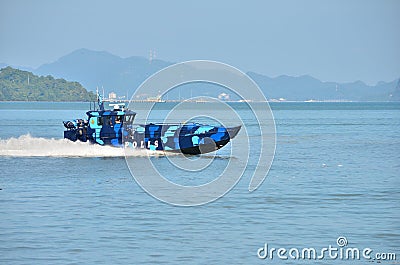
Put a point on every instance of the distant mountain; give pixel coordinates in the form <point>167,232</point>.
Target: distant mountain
<point>102,69</point>
<point>18,85</point>
<point>308,88</point>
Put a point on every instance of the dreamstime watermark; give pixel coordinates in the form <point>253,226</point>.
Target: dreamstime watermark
<point>339,251</point>
<point>255,142</point>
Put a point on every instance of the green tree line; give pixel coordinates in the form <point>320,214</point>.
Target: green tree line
<point>18,85</point>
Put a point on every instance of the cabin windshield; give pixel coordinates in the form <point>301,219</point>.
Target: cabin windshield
<point>129,118</point>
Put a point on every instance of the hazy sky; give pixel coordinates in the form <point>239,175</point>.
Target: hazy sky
<point>331,40</point>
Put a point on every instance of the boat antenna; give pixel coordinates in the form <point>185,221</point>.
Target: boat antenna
<point>97,96</point>
<point>100,102</point>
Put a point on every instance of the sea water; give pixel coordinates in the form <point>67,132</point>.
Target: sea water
<point>335,174</point>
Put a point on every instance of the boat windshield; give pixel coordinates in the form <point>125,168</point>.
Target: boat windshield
<point>129,118</point>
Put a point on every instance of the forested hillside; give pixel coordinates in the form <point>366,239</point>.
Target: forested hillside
<point>17,85</point>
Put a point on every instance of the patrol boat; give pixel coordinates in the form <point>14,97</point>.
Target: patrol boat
<point>115,127</point>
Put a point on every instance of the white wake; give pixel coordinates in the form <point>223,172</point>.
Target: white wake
<point>28,146</point>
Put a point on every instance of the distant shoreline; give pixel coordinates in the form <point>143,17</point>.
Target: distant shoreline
<point>200,102</point>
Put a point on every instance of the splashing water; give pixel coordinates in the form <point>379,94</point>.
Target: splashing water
<point>28,146</point>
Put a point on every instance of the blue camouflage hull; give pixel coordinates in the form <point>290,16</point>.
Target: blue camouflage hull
<point>187,138</point>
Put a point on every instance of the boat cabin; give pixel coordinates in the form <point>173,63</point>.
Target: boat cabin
<point>105,126</point>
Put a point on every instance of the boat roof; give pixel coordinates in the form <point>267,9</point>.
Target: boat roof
<point>100,113</point>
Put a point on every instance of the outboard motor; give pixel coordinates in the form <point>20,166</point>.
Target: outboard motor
<point>69,125</point>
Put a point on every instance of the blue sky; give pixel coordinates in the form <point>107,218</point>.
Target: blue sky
<point>343,40</point>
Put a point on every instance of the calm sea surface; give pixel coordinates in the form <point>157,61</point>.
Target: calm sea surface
<point>336,173</point>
